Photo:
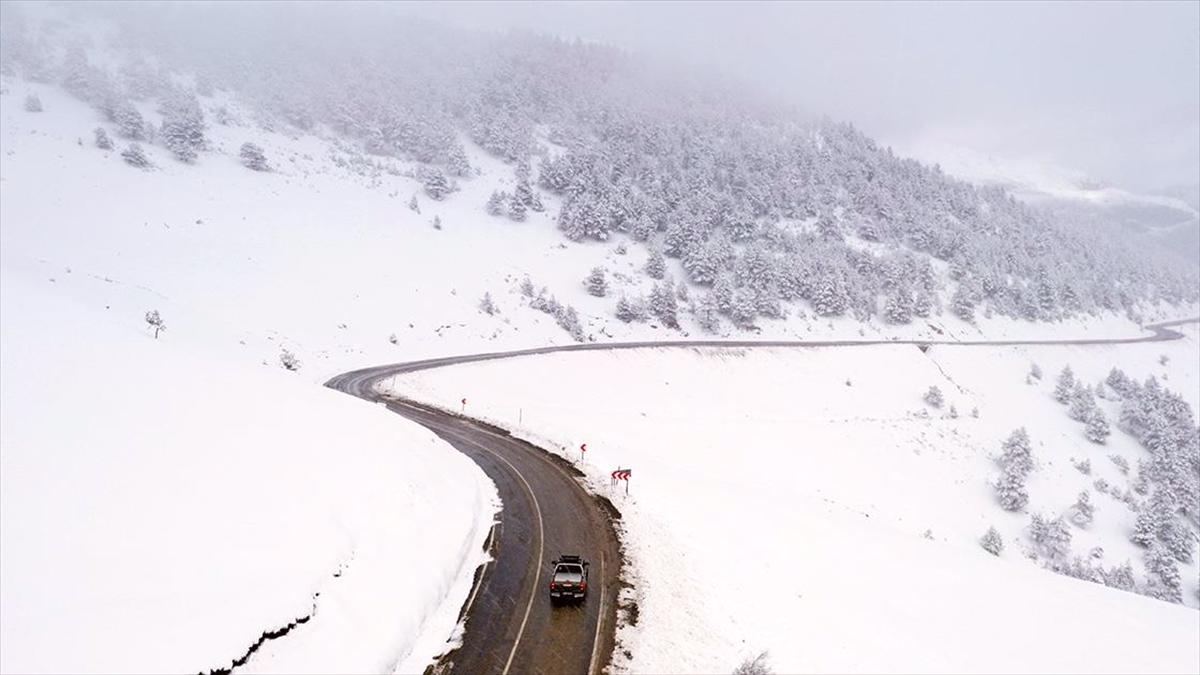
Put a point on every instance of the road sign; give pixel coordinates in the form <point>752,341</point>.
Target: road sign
<point>622,474</point>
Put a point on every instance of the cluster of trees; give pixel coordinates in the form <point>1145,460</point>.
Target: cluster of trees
<point>518,204</point>
<point>786,213</point>
<point>1166,524</point>
<point>564,315</point>
<point>765,212</point>
<point>1080,400</point>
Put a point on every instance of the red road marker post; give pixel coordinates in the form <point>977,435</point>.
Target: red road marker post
<point>464,406</point>
<point>622,474</point>
<point>582,451</point>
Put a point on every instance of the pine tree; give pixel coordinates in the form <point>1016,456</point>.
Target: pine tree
<point>516,209</point>
<point>630,310</point>
<point>1066,385</point>
<point>135,156</point>
<point>663,304</point>
<point>1016,454</point>
<point>704,308</point>
<point>1117,380</point>
<point>596,284</point>
<point>1160,566</point>
<point>933,397</point>
<point>497,204</point>
<point>723,293</point>
<point>829,297</point>
<point>253,158</point>
<point>523,192</point>
<point>963,304</point>
<point>1010,490</point>
<point>700,265</point>
<point>1153,518</point>
<point>568,320</point>
<point>33,103</point>
<point>102,140</point>
<point>128,120</point>
<point>922,304</point>
<point>656,264</point>
<point>1083,512</point>
<point>1082,403</point>
<point>992,542</point>
<point>413,205</point>
<point>1119,577</point>
<point>742,307</point>
<point>1052,537</point>
<point>456,161</point>
<point>898,308</point>
<point>1097,430</point>
<point>183,126</point>
<point>1178,538</point>
<point>436,185</point>
<point>487,305</point>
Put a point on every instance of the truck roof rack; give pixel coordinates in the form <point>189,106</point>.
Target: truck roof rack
<point>570,559</point>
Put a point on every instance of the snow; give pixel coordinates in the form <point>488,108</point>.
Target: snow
<point>780,498</point>
<point>166,501</point>
<point>162,509</point>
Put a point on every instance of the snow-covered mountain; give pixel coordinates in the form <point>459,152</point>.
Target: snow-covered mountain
<point>296,203</point>
<point>1171,221</point>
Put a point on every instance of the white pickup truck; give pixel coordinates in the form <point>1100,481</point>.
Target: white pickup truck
<point>569,580</point>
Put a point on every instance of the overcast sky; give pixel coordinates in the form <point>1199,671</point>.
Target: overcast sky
<point>1111,89</point>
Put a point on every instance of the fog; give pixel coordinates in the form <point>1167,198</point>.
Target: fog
<point>1109,89</point>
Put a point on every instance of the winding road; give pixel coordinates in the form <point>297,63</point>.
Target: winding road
<point>511,626</point>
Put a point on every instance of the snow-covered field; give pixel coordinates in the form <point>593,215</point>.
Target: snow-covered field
<point>166,501</point>
<point>162,509</point>
<point>780,501</point>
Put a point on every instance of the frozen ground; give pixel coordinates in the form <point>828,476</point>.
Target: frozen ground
<point>165,502</point>
<point>780,500</point>
<point>172,499</point>
<point>162,509</point>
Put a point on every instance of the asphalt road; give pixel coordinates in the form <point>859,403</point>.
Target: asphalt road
<point>511,625</point>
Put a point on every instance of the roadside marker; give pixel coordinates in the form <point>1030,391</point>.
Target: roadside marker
<point>622,474</point>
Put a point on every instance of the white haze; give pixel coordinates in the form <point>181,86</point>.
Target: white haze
<point>1110,90</point>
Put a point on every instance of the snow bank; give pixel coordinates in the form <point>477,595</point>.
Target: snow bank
<point>780,501</point>
<point>161,509</point>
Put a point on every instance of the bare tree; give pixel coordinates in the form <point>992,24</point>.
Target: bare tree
<point>754,666</point>
<point>156,322</point>
<point>288,360</point>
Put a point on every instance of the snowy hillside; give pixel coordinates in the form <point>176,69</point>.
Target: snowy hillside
<point>163,507</point>
<point>811,504</point>
<point>169,496</point>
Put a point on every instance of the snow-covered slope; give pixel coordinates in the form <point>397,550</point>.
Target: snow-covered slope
<point>809,503</point>
<point>163,508</point>
<point>133,465</point>
<point>166,502</point>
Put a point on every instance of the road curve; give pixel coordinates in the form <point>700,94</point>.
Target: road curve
<point>511,626</point>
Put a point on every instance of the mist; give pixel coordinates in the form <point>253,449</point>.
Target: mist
<point>1108,89</point>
